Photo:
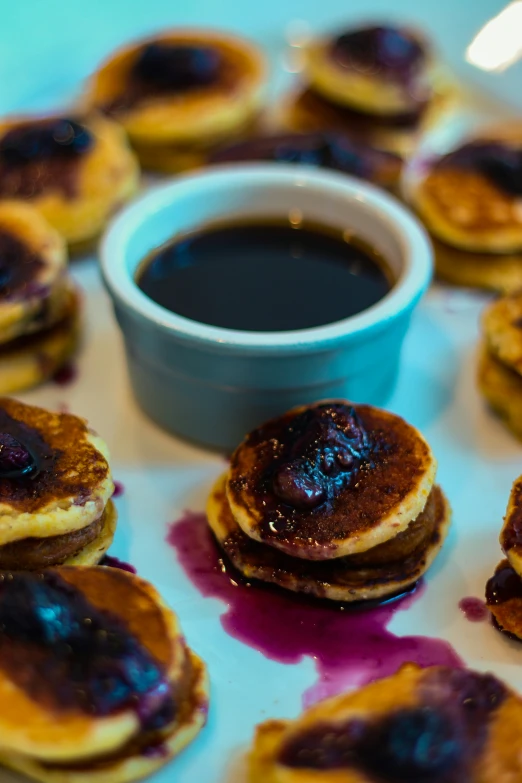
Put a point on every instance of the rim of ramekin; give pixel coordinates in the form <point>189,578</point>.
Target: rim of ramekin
<point>411,284</point>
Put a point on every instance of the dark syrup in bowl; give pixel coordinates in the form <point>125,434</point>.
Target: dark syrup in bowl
<point>265,275</point>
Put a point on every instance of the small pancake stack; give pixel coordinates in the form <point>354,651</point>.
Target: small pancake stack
<point>100,683</point>
<point>180,94</point>
<point>470,201</point>
<point>435,724</point>
<point>500,362</point>
<point>39,307</point>
<point>375,83</point>
<point>55,490</point>
<point>75,170</point>
<point>332,500</point>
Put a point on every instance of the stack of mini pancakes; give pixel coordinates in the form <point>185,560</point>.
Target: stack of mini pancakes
<point>180,94</point>
<point>436,724</point>
<point>375,83</point>
<point>100,684</point>
<point>332,500</point>
<point>55,490</point>
<point>500,363</point>
<point>470,200</point>
<point>39,308</point>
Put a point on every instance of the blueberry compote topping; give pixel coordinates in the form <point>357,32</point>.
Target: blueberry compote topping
<point>64,651</point>
<point>46,139</point>
<point>37,155</point>
<point>395,53</point>
<point>504,585</point>
<point>172,67</point>
<point>319,455</point>
<point>500,163</point>
<point>18,267</point>
<point>326,150</point>
<point>23,454</point>
<point>432,743</point>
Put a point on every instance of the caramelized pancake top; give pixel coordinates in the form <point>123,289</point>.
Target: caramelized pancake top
<point>89,657</point>
<point>330,480</point>
<point>181,85</point>
<point>54,473</point>
<point>472,197</point>
<point>437,724</point>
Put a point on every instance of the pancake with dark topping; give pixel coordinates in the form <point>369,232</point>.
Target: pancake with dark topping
<point>116,690</point>
<point>380,69</point>
<point>54,473</point>
<point>181,92</point>
<point>471,198</point>
<point>330,480</point>
<point>386,570</point>
<point>434,725</point>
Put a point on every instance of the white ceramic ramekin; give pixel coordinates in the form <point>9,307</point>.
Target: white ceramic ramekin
<point>213,385</point>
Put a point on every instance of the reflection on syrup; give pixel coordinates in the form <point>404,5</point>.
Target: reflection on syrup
<point>350,647</point>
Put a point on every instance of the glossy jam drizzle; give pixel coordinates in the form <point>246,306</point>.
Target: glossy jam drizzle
<point>23,454</point>
<point>504,585</point>
<point>64,651</point>
<point>319,455</point>
<point>349,646</point>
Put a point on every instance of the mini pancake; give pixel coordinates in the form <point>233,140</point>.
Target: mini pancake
<point>502,388</point>
<point>329,150</point>
<point>493,272</point>
<point>136,761</point>
<point>379,70</point>
<point>470,199</point>
<point>467,724</point>
<point>34,284</point>
<point>504,600</point>
<point>386,570</point>
<point>67,483</point>
<point>511,535</point>
<point>158,111</point>
<point>310,112</point>
<point>388,474</point>
<point>76,190</point>
<point>79,724</point>
<point>86,546</point>
<point>502,328</point>
<point>32,359</point>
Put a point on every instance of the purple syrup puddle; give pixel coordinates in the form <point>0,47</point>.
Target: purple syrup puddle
<point>350,647</point>
<point>115,562</point>
<point>119,489</point>
<point>474,609</point>
<point>66,375</point>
